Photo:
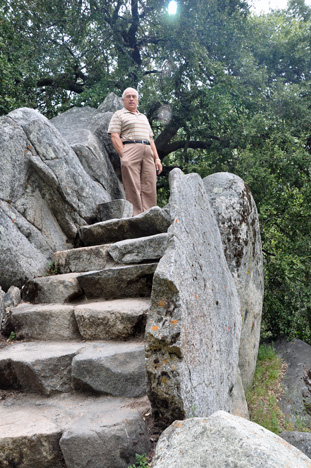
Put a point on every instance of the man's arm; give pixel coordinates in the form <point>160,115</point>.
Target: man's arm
<point>157,160</point>
<point>117,142</point>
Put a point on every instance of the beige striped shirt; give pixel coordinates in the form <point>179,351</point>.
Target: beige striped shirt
<point>130,125</point>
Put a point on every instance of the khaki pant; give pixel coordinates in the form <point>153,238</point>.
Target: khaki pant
<point>139,176</point>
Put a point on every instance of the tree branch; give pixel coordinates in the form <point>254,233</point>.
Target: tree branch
<point>61,82</point>
<point>176,145</point>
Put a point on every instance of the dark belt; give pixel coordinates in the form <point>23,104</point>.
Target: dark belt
<point>143,142</point>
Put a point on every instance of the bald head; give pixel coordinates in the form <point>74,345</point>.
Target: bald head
<point>130,99</point>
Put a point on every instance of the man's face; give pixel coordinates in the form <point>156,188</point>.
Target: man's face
<point>130,100</point>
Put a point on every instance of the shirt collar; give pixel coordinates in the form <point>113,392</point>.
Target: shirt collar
<point>126,111</point>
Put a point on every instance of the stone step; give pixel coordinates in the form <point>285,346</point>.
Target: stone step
<point>153,221</point>
<point>98,257</point>
<point>110,283</point>
<point>118,282</point>
<point>38,367</point>
<point>139,250</point>
<point>112,368</point>
<point>71,430</point>
<point>47,322</point>
<point>83,259</point>
<point>115,368</point>
<point>118,319</point>
<point>52,289</point>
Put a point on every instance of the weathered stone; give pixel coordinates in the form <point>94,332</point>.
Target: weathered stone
<point>58,288</point>
<point>38,367</point>
<point>153,221</point>
<point>80,126</point>
<point>24,252</point>
<point>112,368</point>
<point>224,440</point>
<point>34,451</point>
<point>300,440</point>
<point>139,250</point>
<point>193,327</point>
<point>46,193</point>
<point>237,218</point>
<point>112,103</point>
<point>115,209</point>
<point>82,259</point>
<point>112,320</point>
<point>239,403</point>
<point>12,297</point>
<point>118,282</point>
<point>45,322</point>
<point>296,398</point>
<point>105,438</point>
<point>31,427</point>
<point>52,158</point>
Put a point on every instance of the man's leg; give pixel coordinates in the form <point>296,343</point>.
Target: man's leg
<point>130,169</point>
<point>148,180</point>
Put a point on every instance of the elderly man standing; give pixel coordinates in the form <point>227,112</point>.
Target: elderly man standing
<point>131,136</point>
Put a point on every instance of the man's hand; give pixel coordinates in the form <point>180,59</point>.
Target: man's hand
<point>158,166</point>
<point>157,160</point>
<point>117,143</point>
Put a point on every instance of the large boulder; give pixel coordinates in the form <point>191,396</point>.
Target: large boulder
<point>237,219</point>
<point>300,440</point>
<point>85,129</point>
<point>296,398</point>
<point>194,324</point>
<point>46,191</point>
<point>224,440</point>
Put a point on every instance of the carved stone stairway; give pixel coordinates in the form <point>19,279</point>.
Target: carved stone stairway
<point>73,384</point>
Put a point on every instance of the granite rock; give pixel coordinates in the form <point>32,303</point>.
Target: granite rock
<point>38,367</point>
<point>45,322</point>
<point>52,289</point>
<point>118,282</point>
<point>237,219</point>
<point>300,440</point>
<point>296,398</point>
<point>194,323</point>
<point>153,221</point>
<point>224,440</point>
<point>46,191</point>
<point>114,210</point>
<point>118,319</point>
<point>139,250</point>
<point>105,438</point>
<point>111,368</point>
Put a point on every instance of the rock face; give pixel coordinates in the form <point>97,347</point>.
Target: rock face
<point>300,440</point>
<point>50,185</point>
<point>99,442</point>
<point>224,440</point>
<point>193,328</point>
<point>85,129</point>
<point>237,219</point>
<point>296,399</point>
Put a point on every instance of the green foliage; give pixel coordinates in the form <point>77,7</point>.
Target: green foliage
<point>141,462</point>
<point>52,269</point>
<point>262,399</point>
<point>12,336</point>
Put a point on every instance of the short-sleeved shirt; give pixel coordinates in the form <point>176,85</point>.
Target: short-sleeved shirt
<point>130,125</point>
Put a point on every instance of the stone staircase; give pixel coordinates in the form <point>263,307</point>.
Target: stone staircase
<point>73,385</point>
